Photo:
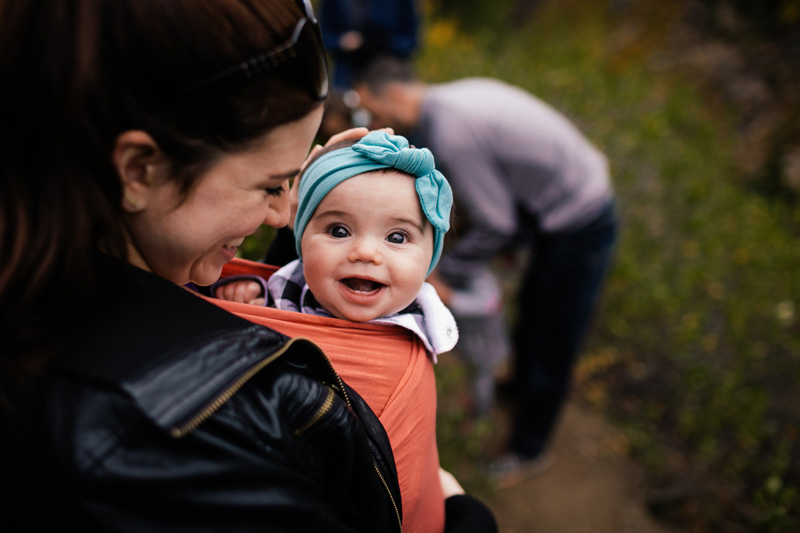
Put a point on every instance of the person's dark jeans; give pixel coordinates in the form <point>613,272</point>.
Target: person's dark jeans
<point>555,305</point>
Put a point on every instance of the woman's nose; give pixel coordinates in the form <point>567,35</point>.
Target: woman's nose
<point>278,211</point>
<point>365,250</point>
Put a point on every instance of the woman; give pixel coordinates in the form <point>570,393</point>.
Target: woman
<point>142,141</point>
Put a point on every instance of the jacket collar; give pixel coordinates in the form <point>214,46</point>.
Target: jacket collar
<point>165,347</point>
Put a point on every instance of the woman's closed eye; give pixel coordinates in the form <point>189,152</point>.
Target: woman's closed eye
<point>275,191</point>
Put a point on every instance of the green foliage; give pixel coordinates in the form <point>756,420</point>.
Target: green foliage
<point>763,16</point>
<point>701,309</point>
<point>255,246</point>
<point>462,439</point>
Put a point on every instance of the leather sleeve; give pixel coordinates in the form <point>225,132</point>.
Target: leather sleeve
<point>466,514</point>
<point>243,469</point>
<point>168,413</point>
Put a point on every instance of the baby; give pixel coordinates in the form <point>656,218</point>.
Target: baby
<point>369,229</point>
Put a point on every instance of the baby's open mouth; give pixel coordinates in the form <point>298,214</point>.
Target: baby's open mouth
<point>362,285</point>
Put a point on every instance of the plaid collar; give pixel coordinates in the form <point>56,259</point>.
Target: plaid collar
<point>426,316</point>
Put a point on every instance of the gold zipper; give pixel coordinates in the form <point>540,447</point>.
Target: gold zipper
<point>389,492</point>
<point>326,406</point>
<point>339,382</point>
<point>188,427</point>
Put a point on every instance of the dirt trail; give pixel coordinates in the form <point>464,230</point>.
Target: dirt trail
<point>592,487</point>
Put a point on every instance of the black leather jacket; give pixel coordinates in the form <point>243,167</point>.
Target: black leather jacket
<point>172,414</point>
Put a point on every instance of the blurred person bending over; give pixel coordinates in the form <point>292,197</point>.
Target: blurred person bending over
<point>525,177</point>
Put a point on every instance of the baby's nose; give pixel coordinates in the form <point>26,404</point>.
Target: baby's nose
<point>365,250</point>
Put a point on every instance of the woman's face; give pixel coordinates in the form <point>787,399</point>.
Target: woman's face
<point>193,240</point>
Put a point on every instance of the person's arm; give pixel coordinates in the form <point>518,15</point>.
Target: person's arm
<point>243,469</point>
<point>483,197</point>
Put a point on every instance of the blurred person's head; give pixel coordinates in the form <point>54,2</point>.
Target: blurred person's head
<point>390,91</point>
<point>370,225</point>
<point>161,133</point>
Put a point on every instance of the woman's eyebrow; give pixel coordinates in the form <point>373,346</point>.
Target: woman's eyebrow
<point>285,175</point>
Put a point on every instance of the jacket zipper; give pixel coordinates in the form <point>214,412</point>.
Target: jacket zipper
<point>185,429</point>
<point>389,492</point>
<point>339,382</point>
<point>326,406</point>
<point>188,427</point>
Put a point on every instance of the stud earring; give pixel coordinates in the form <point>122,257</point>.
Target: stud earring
<point>133,204</point>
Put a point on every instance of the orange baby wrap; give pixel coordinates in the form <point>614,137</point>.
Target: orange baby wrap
<point>389,367</point>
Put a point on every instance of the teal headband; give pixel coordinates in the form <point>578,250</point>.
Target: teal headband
<point>375,151</point>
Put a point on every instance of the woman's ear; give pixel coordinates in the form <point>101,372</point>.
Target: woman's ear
<point>136,156</point>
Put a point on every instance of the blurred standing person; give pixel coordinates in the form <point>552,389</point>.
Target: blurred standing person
<point>525,177</point>
<point>357,31</point>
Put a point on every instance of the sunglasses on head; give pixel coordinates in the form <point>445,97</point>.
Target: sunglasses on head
<point>304,46</point>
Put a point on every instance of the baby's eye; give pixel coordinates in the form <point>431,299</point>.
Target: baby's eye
<point>338,232</point>
<point>396,237</point>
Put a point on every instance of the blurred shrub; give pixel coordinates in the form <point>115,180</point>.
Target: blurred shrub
<point>255,246</point>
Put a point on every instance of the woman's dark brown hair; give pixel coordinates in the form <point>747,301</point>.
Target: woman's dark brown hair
<point>76,74</point>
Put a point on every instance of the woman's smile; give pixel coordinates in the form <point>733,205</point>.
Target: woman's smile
<point>229,250</point>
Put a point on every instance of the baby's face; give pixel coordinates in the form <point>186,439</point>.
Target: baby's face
<point>368,246</point>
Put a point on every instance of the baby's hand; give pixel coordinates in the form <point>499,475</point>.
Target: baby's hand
<point>241,291</point>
